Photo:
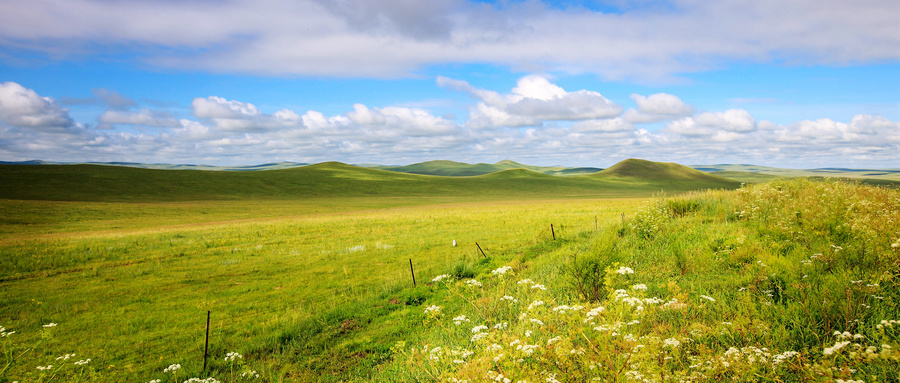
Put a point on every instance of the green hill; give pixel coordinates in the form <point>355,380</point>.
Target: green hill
<point>459,169</point>
<point>333,179</point>
<point>662,173</point>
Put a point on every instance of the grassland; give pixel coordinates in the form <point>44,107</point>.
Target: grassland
<point>308,279</point>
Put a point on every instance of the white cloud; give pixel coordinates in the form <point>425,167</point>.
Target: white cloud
<point>397,121</point>
<point>533,101</point>
<point>23,107</point>
<point>723,126</point>
<point>657,107</point>
<point>396,38</point>
<point>236,132</point>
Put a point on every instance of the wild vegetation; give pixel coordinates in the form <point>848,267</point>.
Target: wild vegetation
<point>786,281</point>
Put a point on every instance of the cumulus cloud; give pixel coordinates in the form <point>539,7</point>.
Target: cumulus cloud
<point>23,107</point>
<point>231,115</point>
<point>723,126</point>
<point>222,131</point>
<point>657,107</point>
<point>533,101</point>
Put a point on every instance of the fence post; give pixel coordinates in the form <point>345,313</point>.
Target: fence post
<point>479,249</point>
<point>206,348</point>
<point>552,231</point>
<point>413,272</point>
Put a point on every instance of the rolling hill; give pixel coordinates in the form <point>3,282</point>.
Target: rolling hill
<point>333,179</point>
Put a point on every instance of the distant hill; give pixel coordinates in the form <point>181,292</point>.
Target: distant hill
<point>103,183</point>
<point>755,173</point>
<point>459,169</point>
<point>636,170</point>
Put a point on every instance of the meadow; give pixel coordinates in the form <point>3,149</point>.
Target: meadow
<point>793,280</point>
<point>300,287</point>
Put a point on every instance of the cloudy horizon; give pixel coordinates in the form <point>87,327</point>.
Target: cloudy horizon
<point>793,84</point>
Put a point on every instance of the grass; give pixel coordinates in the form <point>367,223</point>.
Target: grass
<point>319,289</point>
<point>97,183</point>
<point>788,281</point>
<point>296,294</point>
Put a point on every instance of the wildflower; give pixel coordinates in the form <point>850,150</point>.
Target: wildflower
<point>433,309</point>
<point>479,328</point>
<point>625,270</point>
<point>45,368</point>
<point>83,362</point>
<point>509,298</point>
<point>231,356</point>
<point>252,374</point>
<point>639,286</point>
<point>525,282</point>
<point>502,270</point>
<point>536,321</point>
<point>553,340</point>
<point>172,368</point>
<point>155,381</point>
<point>473,283</point>
<point>460,319</point>
<point>48,325</point>
<point>65,357</point>
<point>440,278</point>
<point>672,342</point>
<point>837,346</point>
<point>707,297</point>
<point>540,287</point>
<point>501,326</point>
<point>535,304</point>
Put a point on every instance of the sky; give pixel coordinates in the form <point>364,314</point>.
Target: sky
<point>784,83</point>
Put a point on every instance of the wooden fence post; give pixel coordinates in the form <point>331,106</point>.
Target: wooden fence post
<point>413,272</point>
<point>206,348</point>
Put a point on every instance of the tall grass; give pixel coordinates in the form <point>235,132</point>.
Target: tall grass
<point>788,281</point>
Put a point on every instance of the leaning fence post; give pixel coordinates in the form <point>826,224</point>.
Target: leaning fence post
<point>479,249</point>
<point>552,232</point>
<point>413,272</point>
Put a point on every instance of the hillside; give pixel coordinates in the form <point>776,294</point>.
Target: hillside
<point>637,171</point>
<point>333,179</point>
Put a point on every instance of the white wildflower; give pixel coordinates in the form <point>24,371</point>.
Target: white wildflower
<point>625,270</point>
<point>479,328</point>
<point>45,368</point>
<point>672,342</point>
<point>509,298</point>
<point>433,309</point>
<point>172,368</point>
<point>51,324</point>
<point>502,270</point>
<point>232,356</point>
<point>707,297</point>
<point>460,319</point>
<point>473,283</point>
<point>83,362</point>
<point>440,278</point>
<point>639,286</point>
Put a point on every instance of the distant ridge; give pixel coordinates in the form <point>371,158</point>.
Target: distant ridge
<point>459,169</point>
<point>104,183</point>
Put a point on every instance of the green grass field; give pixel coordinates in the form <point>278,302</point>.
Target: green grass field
<point>306,273</point>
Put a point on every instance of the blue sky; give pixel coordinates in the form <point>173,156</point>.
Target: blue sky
<point>800,84</point>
